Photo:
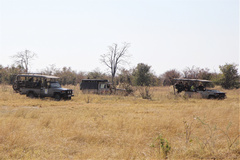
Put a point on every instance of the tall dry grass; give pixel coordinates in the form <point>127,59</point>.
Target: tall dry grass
<point>118,127</point>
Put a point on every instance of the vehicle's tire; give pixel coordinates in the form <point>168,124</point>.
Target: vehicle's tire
<point>15,87</point>
<point>31,95</point>
<point>57,97</point>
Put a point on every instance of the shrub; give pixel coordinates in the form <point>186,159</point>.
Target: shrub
<point>162,145</point>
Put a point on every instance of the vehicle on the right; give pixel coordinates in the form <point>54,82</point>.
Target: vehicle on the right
<point>197,87</point>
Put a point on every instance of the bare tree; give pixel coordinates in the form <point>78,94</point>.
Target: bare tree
<point>191,73</point>
<point>51,70</point>
<point>169,77</point>
<point>24,58</point>
<point>116,56</point>
<point>197,73</point>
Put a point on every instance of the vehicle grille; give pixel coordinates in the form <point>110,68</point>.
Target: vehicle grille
<point>69,91</point>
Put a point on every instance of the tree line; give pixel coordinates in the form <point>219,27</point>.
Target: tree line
<point>141,75</point>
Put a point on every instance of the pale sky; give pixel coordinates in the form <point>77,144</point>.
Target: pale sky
<point>165,34</point>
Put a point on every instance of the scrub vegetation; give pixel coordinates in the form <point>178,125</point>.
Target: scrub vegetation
<point>94,126</point>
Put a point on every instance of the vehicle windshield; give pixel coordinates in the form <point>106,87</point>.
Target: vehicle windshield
<point>55,85</point>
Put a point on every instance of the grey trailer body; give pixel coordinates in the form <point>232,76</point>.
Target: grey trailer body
<point>98,86</point>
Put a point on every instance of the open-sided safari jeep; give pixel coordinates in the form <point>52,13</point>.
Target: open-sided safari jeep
<point>193,87</point>
<point>37,85</point>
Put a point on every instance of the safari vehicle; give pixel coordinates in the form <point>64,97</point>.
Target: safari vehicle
<point>38,85</point>
<point>98,86</point>
<point>197,87</point>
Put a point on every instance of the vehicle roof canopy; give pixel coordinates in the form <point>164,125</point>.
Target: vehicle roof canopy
<point>38,76</point>
<point>193,80</point>
<point>94,80</point>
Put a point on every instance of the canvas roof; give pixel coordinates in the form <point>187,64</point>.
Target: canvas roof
<point>38,75</point>
<point>94,80</point>
<point>192,80</point>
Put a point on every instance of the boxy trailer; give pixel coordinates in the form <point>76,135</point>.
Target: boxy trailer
<point>99,86</point>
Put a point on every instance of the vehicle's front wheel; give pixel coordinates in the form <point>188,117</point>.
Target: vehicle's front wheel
<point>31,95</point>
<point>57,97</point>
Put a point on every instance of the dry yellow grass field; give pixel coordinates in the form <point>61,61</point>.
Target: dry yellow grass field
<point>118,127</point>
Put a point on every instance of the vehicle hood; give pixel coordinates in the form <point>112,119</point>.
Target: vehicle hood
<point>62,89</point>
<point>215,91</point>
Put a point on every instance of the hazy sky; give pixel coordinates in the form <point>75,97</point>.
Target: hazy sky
<point>166,34</point>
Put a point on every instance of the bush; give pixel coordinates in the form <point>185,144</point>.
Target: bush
<point>128,89</point>
<point>162,144</point>
<point>229,77</point>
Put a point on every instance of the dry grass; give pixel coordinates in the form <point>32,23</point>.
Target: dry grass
<point>118,127</point>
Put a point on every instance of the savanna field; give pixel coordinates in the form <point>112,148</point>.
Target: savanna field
<point>119,127</point>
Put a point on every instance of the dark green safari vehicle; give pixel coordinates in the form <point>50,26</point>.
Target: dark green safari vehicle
<point>38,85</point>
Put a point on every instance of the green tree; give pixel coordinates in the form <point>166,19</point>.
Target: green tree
<point>229,76</point>
<point>142,75</point>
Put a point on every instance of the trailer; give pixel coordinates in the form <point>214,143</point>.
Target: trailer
<point>99,86</point>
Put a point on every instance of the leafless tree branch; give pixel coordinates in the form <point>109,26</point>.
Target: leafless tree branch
<point>24,59</point>
<point>115,57</point>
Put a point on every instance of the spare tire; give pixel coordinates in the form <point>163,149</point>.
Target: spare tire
<point>15,86</point>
